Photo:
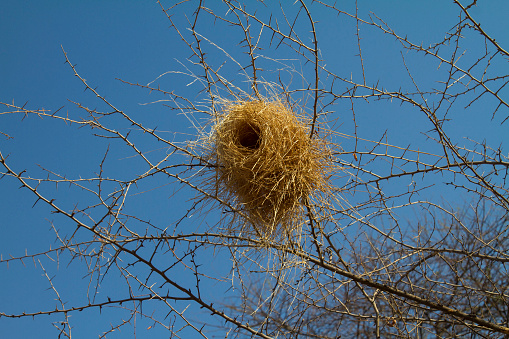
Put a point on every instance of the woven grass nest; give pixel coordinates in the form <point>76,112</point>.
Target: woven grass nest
<point>267,164</point>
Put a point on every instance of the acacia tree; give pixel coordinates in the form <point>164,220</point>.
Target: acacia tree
<point>386,253</point>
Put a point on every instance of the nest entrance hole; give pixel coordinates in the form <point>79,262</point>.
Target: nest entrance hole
<point>248,135</point>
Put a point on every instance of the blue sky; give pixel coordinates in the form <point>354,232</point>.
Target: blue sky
<point>132,40</point>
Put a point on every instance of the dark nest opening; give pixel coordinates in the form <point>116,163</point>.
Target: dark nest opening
<point>248,135</point>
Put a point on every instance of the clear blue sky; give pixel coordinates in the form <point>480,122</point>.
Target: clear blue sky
<point>132,40</point>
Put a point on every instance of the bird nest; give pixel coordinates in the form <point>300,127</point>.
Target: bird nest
<point>268,166</point>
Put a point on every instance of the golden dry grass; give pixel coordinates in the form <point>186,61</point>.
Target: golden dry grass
<point>267,164</point>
